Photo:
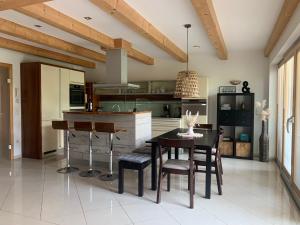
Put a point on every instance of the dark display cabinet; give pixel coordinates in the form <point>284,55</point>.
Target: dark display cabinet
<point>235,115</point>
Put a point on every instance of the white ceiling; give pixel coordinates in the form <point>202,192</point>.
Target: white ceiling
<point>245,24</point>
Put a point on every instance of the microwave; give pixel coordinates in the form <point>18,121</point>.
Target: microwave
<point>77,96</point>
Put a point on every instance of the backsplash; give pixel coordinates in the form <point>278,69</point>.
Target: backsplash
<point>156,107</point>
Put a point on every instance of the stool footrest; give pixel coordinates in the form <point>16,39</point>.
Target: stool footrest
<point>67,169</point>
<point>90,173</point>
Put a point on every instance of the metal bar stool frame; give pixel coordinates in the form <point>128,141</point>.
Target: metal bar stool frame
<point>63,125</point>
<point>87,126</point>
<point>110,129</point>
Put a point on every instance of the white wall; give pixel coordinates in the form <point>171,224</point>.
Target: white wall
<point>250,66</point>
<point>15,58</point>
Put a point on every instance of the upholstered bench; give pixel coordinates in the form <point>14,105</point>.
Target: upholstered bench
<point>133,161</point>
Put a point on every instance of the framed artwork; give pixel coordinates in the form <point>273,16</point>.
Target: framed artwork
<point>227,89</point>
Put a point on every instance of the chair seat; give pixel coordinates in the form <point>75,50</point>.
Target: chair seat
<point>143,150</point>
<point>135,158</point>
<point>202,157</point>
<point>177,164</point>
<point>147,150</point>
<point>213,151</point>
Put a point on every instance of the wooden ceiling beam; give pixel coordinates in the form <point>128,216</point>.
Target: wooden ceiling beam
<point>126,14</point>
<point>287,11</point>
<point>12,4</point>
<point>207,15</point>
<point>32,35</point>
<point>32,50</point>
<point>57,19</point>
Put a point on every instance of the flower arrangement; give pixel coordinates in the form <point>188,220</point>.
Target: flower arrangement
<point>262,110</point>
<point>190,121</point>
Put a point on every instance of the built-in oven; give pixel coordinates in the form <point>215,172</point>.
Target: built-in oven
<point>77,96</point>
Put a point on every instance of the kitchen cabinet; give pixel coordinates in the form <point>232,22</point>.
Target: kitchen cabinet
<point>44,97</point>
<point>50,92</point>
<point>76,77</point>
<point>163,125</point>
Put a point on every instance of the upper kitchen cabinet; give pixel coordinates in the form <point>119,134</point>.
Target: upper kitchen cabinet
<point>203,84</point>
<point>76,77</point>
<point>50,92</point>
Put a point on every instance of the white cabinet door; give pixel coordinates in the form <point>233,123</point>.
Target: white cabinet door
<point>50,90</point>
<point>203,84</point>
<point>64,91</point>
<point>76,77</point>
<point>50,137</point>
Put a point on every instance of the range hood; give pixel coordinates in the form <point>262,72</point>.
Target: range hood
<point>116,71</point>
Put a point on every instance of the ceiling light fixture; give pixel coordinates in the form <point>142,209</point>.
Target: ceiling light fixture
<point>87,18</point>
<point>187,82</point>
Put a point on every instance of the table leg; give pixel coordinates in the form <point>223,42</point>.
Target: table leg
<point>176,153</point>
<point>154,167</point>
<point>208,174</point>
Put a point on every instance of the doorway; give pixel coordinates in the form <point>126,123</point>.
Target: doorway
<point>6,112</point>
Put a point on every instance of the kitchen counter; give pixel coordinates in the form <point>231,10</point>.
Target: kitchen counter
<point>137,126</point>
<point>106,113</point>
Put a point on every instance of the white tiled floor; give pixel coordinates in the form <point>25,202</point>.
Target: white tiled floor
<point>32,193</point>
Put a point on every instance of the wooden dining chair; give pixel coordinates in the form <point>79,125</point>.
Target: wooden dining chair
<point>176,166</point>
<point>204,126</point>
<point>209,126</point>
<point>200,161</point>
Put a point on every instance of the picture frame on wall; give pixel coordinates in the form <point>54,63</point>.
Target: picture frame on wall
<point>227,89</point>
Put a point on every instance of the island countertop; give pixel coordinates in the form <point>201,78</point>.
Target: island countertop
<point>106,113</point>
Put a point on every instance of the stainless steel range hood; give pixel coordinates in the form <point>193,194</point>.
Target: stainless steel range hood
<point>116,71</point>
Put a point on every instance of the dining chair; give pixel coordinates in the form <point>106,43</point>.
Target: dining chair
<point>200,161</point>
<point>176,166</point>
<point>209,126</point>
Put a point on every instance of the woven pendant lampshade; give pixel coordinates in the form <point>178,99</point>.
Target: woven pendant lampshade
<point>187,82</point>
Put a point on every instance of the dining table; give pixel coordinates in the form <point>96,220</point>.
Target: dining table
<point>205,143</point>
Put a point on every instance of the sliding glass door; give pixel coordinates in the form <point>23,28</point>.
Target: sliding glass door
<point>288,120</point>
<point>288,114</point>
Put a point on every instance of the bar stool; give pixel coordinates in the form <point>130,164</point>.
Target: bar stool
<point>87,126</point>
<point>110,129</point>
<point>63,125</point>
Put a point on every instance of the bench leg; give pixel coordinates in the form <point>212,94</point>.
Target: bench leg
<point>141,182</point>
<point>121,179</point>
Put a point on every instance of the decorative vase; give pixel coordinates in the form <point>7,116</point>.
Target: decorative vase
<point>190,131</point>
<point>264,144</point>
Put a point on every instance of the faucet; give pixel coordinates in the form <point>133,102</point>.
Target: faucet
<point>116,105</point>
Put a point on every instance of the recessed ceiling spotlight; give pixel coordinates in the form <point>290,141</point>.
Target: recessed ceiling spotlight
<point>196,46</point>
<point>87,18</point>
<point>38,26</point>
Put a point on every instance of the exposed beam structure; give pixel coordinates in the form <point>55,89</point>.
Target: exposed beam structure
<point>287,10</point>
<point>207,15</point>
<point>12,4</point>
<point>29,34</point>
<point>32,50</point>
<point>57,19</point>
<point>126,14</point>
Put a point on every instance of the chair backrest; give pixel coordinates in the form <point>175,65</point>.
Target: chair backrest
<point>219,142</point>
<point>204,126</point>
<point>105,127</point>
<point>177,143</point>
<point>83,126</point>
<point>60,125</point>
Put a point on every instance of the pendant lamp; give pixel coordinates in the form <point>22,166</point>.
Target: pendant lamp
<point>187,82</point>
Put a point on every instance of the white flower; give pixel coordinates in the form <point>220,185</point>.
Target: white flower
<point>262,110</point>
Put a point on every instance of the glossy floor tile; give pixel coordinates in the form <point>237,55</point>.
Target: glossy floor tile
<point>33,193</point>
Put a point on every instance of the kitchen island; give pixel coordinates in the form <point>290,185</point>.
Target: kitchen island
<point>137,126</point>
